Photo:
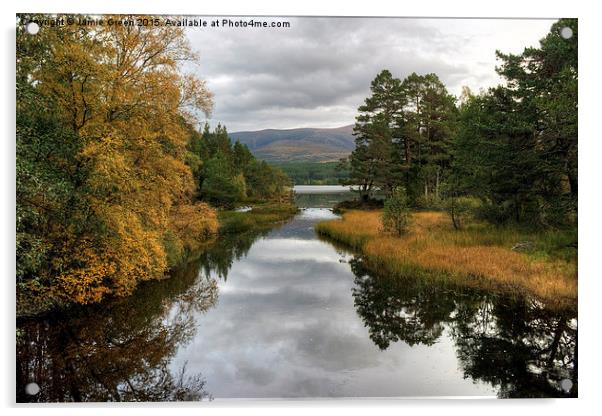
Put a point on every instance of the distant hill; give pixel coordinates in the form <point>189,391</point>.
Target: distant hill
<point>299,145</point>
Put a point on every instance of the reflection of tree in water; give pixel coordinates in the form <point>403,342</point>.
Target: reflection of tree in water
<point>516,345</point>
<point>117,351</point>
<point>394,310</point>
<point>220,256</point>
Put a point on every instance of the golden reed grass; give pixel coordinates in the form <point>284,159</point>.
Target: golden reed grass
<point>477,256</point>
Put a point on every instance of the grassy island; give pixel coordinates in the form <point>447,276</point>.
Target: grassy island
<point>507,259</point>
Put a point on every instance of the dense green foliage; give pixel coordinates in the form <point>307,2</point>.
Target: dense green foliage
<point>514,147</point>
<point>314,173</point>
<point>228,174</point>
<point>403,134</point>
<point>517,147</point>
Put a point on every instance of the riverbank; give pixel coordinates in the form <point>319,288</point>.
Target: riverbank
<point>508,260</point>
<point>259,216</point>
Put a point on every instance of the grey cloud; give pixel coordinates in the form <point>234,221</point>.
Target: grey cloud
<point>318,72</point>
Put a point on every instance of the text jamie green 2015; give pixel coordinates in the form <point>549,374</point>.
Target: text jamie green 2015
<point>160,21</point>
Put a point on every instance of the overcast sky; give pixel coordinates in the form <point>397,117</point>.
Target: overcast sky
<point>317,72</point>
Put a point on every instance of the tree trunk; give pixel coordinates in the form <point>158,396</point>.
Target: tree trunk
<point>572,183</point>
<point>453,215</point>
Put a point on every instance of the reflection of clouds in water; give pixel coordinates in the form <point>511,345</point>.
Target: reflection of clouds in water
<point>292,250</point>
<point>292,320</point>
<point>302,228</point>
<point>317,214</point>
<point>259,375</point>
<point>259,273</point>
<point>286,326</point>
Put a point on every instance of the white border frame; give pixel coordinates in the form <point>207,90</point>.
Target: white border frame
<point>590,150</point>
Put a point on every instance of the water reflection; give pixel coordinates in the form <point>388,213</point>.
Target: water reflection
<point>516,345</point>
<point>118,351</point>
<point>296,317</point>
<point>217,260</point>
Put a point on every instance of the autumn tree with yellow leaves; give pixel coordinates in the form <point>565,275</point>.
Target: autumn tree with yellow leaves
<point>105,196</point>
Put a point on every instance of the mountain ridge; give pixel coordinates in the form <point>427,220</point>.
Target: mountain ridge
<point>304,144</point>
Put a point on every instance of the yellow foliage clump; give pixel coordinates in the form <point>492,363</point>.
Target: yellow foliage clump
<point>194,224</point>
<point>121,90</point>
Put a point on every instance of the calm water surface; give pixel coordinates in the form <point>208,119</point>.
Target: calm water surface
<point>284,314</point>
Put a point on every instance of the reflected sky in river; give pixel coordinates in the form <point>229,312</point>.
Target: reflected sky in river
<point>286,326</point>
<point>284,314</point>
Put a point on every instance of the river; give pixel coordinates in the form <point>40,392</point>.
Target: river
<point>284,314</point>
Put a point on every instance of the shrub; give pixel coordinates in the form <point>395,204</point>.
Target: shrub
<point>396,212</point>
<point>461,209</point>
<point>431,202</point>
<point>496,214</point>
